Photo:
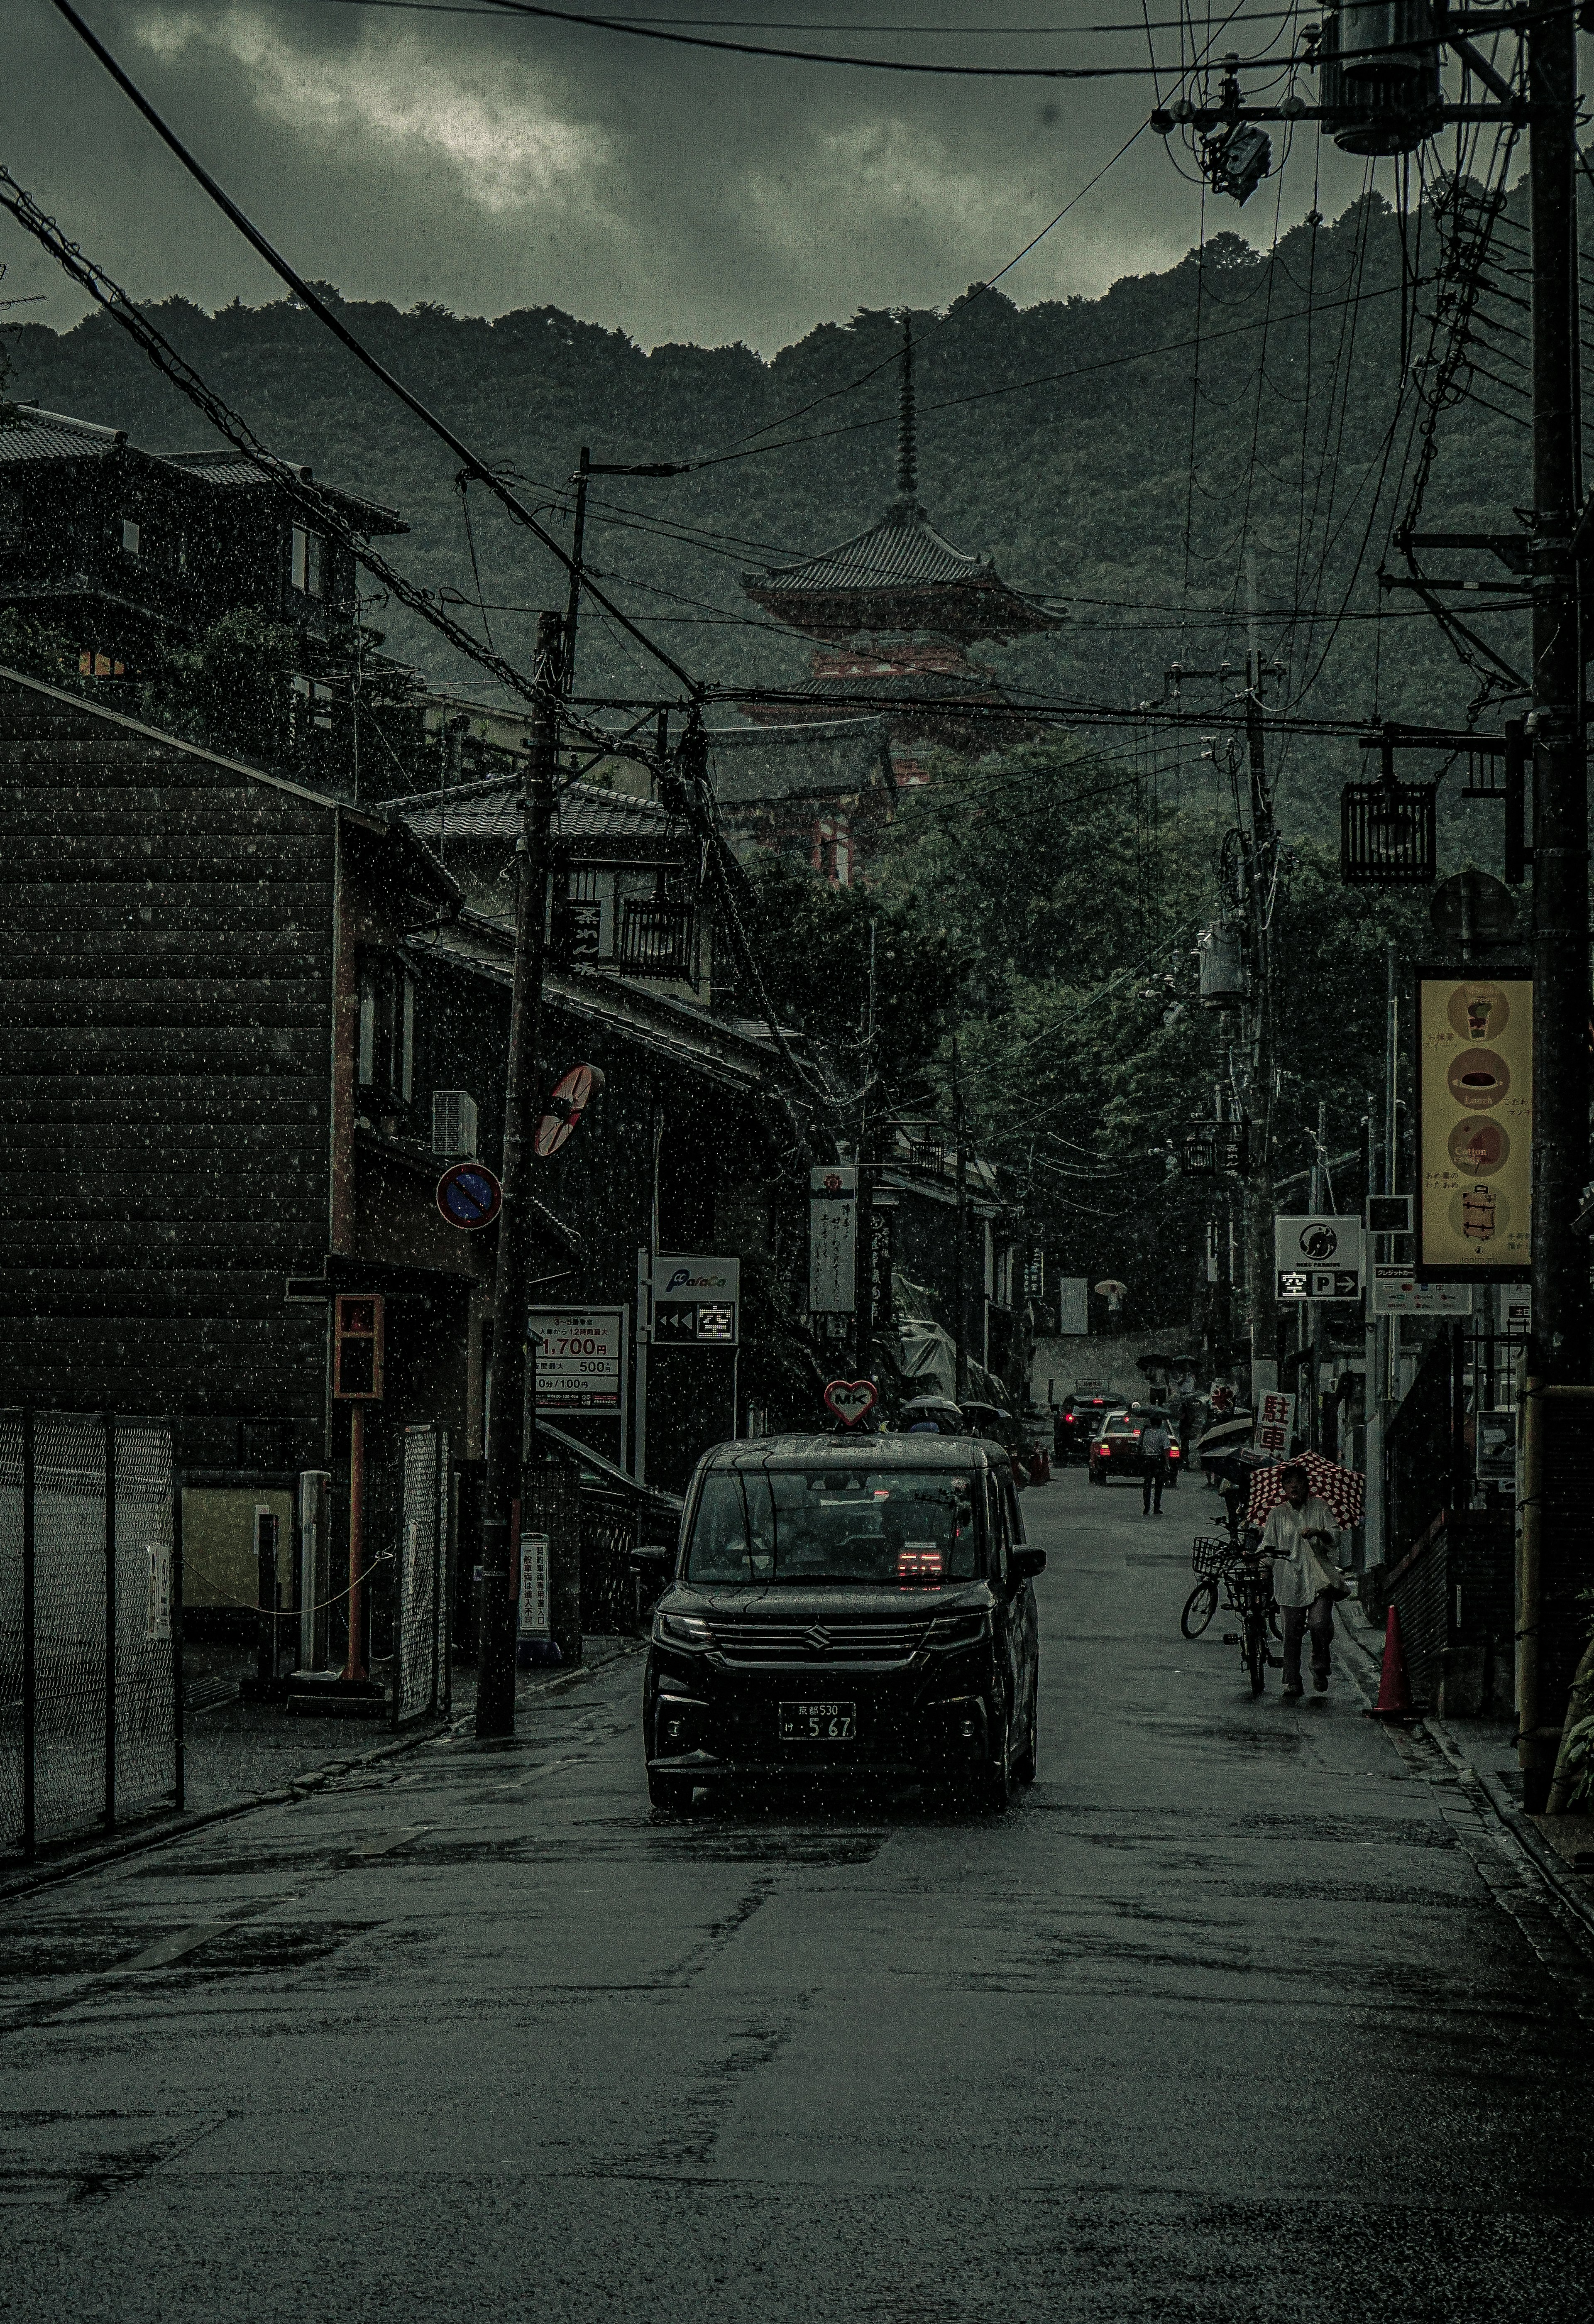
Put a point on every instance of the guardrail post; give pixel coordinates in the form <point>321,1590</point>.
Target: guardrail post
<point>30,1643</point>
<point>110,1482</point>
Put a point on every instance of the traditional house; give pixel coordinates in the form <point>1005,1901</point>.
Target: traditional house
<point>123,553</point>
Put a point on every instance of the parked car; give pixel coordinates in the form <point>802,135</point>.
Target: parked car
<point>1115,1452</point>
<point>857,1611</point>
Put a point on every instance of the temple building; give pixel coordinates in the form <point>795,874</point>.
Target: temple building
<point>895,612</point>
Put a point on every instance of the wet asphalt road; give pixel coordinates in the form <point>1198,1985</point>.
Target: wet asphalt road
<point>1240,2015</point>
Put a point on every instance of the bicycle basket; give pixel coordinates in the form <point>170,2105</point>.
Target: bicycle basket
<point>1210,1554</point>
<point>1250,1591</point>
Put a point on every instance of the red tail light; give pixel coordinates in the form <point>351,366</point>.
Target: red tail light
<point>1172,1452</point>
<point>1103,1451</point>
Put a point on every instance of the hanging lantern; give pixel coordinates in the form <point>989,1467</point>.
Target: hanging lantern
<point>1388,833</point>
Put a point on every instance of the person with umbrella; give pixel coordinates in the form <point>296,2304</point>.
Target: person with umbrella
<point>1299,1537</point>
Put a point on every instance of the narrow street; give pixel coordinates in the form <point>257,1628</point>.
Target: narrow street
<point>1242,2012</point>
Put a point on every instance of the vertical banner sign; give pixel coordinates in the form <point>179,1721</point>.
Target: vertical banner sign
<point>157,1600</point>
<point>536,1617</point>
<point>833,1239</point>
<point>1073,1306</point>
<point>1276,1421</point>
<point>1474,1079</point>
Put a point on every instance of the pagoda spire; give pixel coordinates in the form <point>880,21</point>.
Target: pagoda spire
<point>906,426</point>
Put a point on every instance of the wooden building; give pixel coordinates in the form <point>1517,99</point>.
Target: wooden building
<point>123,553</point>
<point>245,1020</point>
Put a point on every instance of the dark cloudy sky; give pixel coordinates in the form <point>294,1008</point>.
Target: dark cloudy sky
<point>412,153</point>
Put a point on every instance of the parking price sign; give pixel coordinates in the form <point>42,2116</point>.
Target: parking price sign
<point>580,1358</point>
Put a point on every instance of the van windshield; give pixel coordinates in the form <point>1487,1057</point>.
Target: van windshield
<point>818,1525</point>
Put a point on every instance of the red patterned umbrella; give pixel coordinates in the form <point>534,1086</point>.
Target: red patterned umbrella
<point>1342,1488</point>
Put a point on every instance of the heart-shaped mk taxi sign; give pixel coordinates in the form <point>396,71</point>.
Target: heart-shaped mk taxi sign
<point>851,1400</point>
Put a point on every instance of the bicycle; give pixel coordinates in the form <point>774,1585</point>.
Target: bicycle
<point>1249,1585</point>
<point>1210,1556</point>
<point>1246,1584</point>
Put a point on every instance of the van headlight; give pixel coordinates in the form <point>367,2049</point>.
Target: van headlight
<point>952,1633</point>
<point>680,1630</point>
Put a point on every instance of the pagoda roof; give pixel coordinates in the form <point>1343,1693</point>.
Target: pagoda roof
<point>903,550</point>
<point>901,573</point>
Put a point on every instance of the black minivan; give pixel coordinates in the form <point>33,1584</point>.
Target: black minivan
<point>845,1608</point>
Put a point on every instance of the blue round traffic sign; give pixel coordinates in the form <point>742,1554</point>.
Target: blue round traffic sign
<point>469,1196</point>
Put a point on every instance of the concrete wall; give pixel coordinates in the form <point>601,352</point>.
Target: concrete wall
<point>1107,1363</point>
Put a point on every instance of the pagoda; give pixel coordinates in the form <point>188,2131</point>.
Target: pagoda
<point>895,611</point>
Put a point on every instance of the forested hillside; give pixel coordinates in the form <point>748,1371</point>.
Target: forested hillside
<point>1126,483</point>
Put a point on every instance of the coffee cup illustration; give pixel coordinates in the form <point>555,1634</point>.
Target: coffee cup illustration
<point>1478,1077</point>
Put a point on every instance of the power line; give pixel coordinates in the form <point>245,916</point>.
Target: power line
<point>1045,379</point>
<point>758,24</point>
<point>654,31</point>
<point>340,330</point>
<point>319,507</point>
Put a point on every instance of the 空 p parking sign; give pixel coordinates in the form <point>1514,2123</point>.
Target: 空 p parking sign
<point>697,1301</point>
<point>1317,1256</point>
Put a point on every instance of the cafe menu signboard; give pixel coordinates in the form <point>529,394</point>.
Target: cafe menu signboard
<point>1475,1050</point>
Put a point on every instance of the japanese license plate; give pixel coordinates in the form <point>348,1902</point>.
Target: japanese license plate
<point>818,1723</point>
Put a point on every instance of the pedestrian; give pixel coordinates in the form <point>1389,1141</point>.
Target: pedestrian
<point>1299,1537</point>
<point>1155,1443</point>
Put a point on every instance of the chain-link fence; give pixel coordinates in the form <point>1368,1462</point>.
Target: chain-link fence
<point>90,1723</point>
<point>421,1666</point>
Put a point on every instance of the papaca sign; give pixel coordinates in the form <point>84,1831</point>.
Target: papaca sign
<point>851,1400</point>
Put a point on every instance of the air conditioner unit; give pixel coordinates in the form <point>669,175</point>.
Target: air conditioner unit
<point>454,1125</point>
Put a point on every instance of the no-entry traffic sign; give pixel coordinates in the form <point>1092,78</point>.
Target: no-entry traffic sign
<point>469,1196</point>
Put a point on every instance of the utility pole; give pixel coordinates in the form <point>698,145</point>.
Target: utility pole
<point>1261,857</point>
<point>1559,1348</point>
<point>506,1421</point>
<point>587,467</point>
<point>961,1280</point>
<point>1314,1313</point>
<point>578,543</point>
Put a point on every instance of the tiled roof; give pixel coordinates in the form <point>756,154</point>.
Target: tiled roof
<point>231,468</point>
<point>581,811</point>
<point>34,435</point>
<point>905,549</point>
<point>737,1054</point>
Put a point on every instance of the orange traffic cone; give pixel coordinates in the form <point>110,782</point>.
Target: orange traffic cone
<point>1395,1691</point>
